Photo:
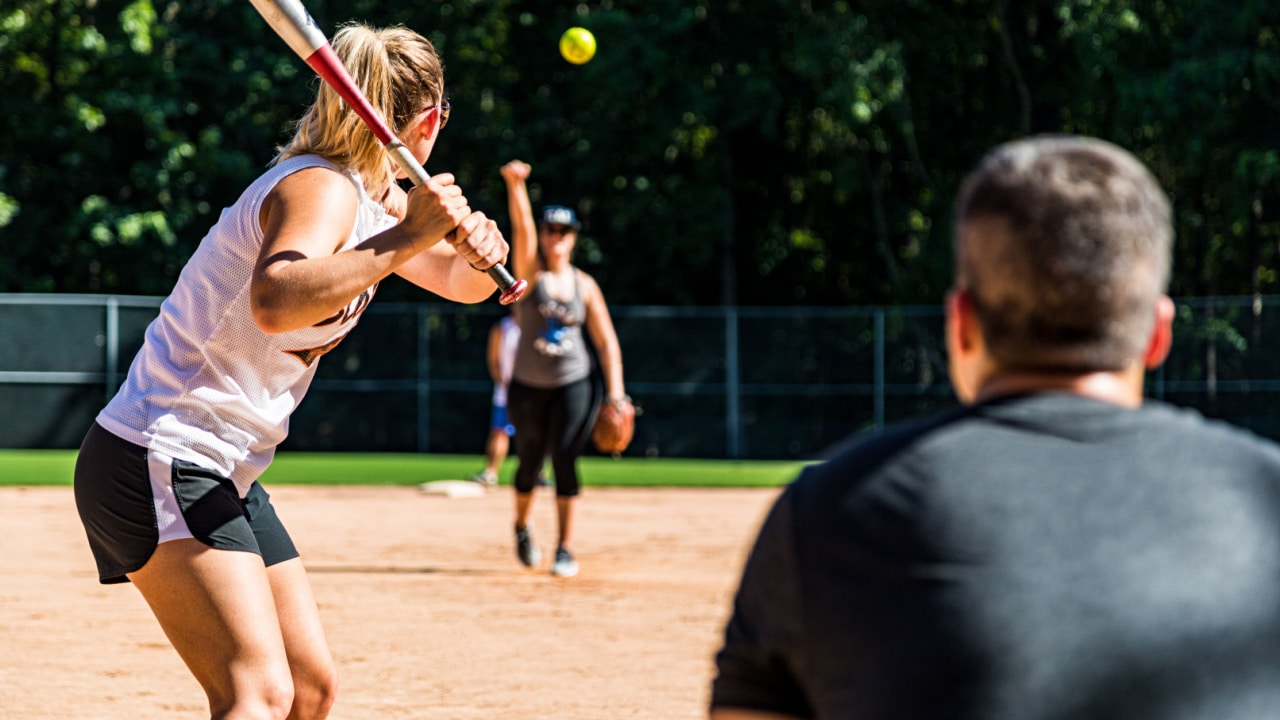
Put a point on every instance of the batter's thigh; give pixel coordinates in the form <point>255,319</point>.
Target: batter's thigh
<point>218,610</point>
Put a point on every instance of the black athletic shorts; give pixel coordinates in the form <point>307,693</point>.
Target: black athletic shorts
<point>127,495</point>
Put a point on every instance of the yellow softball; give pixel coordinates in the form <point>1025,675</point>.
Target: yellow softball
<point>577,45</point>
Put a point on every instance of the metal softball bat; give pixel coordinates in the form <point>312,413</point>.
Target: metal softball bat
<point>291,21</point>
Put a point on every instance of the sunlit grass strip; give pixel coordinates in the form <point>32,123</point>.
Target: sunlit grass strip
<point>55,467</point>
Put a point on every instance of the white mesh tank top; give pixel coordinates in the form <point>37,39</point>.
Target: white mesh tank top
<point>208,386</point>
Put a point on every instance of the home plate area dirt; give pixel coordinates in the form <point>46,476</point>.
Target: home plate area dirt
<point>427,611</point>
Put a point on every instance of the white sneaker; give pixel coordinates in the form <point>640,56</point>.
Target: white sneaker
<point>565,565</point>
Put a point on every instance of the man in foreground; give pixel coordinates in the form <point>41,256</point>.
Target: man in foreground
<point>1056,548</point>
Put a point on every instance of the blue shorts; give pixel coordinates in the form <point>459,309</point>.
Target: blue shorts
<point>498,421</point>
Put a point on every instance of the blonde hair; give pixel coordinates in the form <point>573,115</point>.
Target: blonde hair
<point>400,73</point>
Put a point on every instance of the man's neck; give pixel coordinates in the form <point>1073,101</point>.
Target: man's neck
<point>1121,388</point>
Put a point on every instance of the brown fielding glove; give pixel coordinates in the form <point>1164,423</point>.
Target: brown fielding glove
<point>615,424</point>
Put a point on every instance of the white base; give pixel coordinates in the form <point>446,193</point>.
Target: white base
<point>453,488</point>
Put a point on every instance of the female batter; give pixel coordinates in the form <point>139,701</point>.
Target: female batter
<point>551,399</point>
<point>166,480</point>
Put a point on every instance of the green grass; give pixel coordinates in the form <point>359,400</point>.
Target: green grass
<point>54,467</point>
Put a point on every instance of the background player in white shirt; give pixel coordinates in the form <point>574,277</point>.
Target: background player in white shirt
<point>500,356</point>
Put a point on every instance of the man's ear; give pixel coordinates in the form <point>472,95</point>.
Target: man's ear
<point>1161,339</point>
<point>964,345</point>
<point>962,321</point>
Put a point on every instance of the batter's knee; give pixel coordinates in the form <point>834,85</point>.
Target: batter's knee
<point>315,692</point>
<point>266,697</point>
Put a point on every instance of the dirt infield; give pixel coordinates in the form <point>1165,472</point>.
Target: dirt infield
<point>427,611</point>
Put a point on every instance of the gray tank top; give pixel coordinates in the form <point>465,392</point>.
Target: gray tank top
<point>552,351</point>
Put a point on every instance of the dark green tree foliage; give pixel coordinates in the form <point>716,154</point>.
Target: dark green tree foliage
<point>126,128</point>
<point>753,152</point>
<point>1206,116</point>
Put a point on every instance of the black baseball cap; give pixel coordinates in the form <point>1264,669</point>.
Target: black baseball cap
<point>560,215</point>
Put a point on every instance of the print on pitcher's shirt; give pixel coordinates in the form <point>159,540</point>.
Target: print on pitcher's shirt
<point>555,339</point>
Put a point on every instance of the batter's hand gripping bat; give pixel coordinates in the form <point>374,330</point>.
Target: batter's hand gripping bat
<point>291,21</point>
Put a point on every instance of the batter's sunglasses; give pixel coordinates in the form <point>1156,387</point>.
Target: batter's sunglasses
<point>444,111</point>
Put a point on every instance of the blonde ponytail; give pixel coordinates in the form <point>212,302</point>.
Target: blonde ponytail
<point>400,73</point>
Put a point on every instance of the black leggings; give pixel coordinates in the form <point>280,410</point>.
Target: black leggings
<point>555,423</point>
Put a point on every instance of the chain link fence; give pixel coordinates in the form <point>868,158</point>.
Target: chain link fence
<point>738,383</point>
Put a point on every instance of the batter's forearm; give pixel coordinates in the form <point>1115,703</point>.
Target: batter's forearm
<point>292,291</point>
<point>468,285</point>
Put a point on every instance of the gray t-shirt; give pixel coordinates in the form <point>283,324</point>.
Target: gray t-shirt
<point>1034,558</point>
<point>552,351</point>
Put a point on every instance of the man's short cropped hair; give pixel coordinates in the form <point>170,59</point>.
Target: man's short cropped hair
<point>1064,244</point>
